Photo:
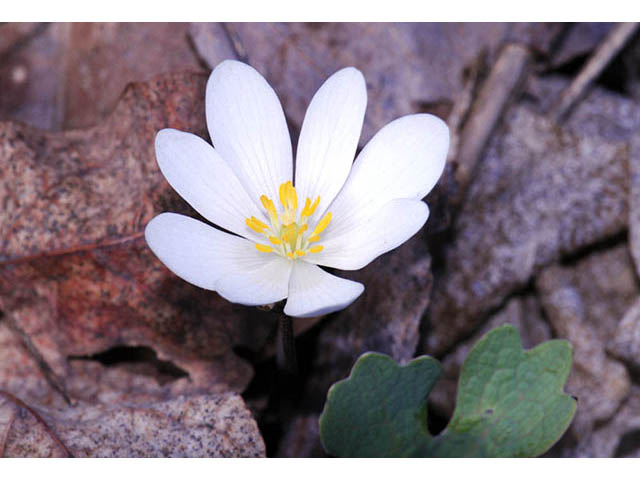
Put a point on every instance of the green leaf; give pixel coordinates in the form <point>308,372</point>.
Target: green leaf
<point>510,403</point>
<point>379,411</point>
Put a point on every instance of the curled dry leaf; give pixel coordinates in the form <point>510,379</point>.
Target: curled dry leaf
<point>77,279</point>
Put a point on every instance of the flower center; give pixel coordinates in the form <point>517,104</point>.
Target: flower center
<point>286,232</point>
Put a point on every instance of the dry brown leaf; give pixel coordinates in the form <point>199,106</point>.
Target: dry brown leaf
<point>77,279</point>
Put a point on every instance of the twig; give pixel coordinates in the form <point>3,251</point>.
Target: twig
<point>54,381</point>
<point>36,415</point>
<point>287,351</point>
<point>236,43</point>
<point>608,49</point>
<point>500,86</point>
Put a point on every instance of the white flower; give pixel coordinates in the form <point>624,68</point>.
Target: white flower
<point>340,214</point>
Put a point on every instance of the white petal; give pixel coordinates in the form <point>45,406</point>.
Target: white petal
<point>312,291</point>
<point>218,261</point>
<point>248,128</point>
<point>393,225</point>
<point>403,160</point>
<point>329,136</point>
<point>196,171</point>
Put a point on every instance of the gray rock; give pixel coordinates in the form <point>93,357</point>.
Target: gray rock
<point>583,303</point>
<point>626,340</point>
<point>618,437</point>
<point>542,191</point>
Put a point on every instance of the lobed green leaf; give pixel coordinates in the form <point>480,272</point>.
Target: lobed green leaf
<point>510,403</point>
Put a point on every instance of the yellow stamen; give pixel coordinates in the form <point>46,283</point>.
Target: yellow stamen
<point>314,206</point>
<point>288,196</point>
<point>268,205</point>
<point>309,208</point>
<point>264,248</point>
<point>322,224</point>
<point>256,224</point>
<point>287,231</point>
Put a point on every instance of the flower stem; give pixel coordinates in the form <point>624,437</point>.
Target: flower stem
<point>287,351</point>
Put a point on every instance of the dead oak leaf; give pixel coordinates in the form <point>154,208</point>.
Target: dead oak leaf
<point>76,276</point>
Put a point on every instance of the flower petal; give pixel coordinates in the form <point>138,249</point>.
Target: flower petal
<point>329,136</point>
<point>393,225</point>
<point>312,291</point>
<point>248,128</point>
<point>218,261</point>
<point>403,160</point>
<point>197,172</point>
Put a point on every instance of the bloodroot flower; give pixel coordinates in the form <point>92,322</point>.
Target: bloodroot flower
<point>335,212</point>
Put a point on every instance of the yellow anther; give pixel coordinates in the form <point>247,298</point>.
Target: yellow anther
<point>309,208</point>
<point>314,206</point>
<point>256,224</point>
<point>287,229</point>
<point>268,205</point>
<point>322,224</point>
<point>288,196</point>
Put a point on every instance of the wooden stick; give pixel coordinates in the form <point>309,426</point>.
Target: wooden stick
<point>608,49</point>
<point>496,92</point>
